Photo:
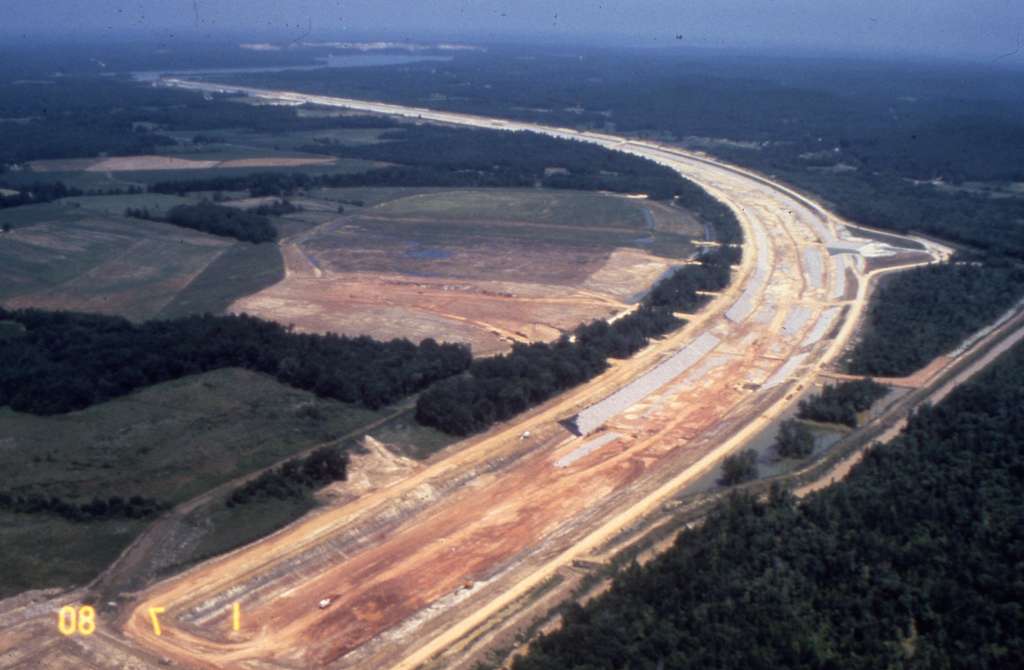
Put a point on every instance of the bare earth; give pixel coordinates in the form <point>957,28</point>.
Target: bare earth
<point>488,292</point>
<point>413,567</point>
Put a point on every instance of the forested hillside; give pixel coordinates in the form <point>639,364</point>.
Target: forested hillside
<point>913,561</point>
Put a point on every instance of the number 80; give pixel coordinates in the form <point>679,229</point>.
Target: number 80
<point>71,621</point>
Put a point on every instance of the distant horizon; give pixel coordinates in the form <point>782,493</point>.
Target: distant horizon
<point>239,37</point>
<point>983,31</point>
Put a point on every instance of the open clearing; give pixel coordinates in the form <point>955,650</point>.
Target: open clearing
<point>482,266</point>
<point>82,254</point>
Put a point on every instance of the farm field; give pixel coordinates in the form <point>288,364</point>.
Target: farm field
<point>170,442</point>
<point>484,266</point>
<point>83,254</point>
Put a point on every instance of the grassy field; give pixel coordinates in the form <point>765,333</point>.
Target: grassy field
<point>561,208</point>
<point>158,204</point>
<point>608,219</point>
<point>86,181</point>
<point>170,442</point>
<point>83,254</point>
<point>60,256</point>
<point>28,215</point>
<point>437,231</point>
<point>240,271</point>
<point>374,195</point>
<point>294,140</point>
<point>343,165</point>
<point>40,551</point>
<point>410,439</point>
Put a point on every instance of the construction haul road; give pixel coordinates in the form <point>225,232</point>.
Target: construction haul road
<point>414,566</point>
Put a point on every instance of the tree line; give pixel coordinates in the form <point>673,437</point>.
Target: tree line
<point>840,403</point>
<point>66,361</point>
<point>278,207</point>
<point>520,156</point>
<point>98,509</point>
<point>912,561</point>
<point>294,478</point>
<point>215,219</point>
<point>38,193</point>
<point>498,388</point>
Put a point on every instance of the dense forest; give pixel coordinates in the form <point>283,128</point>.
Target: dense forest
<point>217,220</point>
<point>517,160</point>
<point>521,156</point>
<point>37,193</point>
<point>294,478</point>
<point>88,116</point>
<point>840,403</point>
<point>500,387</point>
<point>918,315</point>
<point>63,361</point>
<point>913,561</point>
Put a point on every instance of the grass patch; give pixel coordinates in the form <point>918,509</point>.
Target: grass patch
<point>237,526</point>
<point>114,205</point>
<point>29,215</point>
<point>342,166</point>
<point>40,551</point>
<point>170,441</point>
<point>242,270</point>
<point>411,439</point>
<point>374,195</point>
<point>84,260</point>
<point>562,208</point>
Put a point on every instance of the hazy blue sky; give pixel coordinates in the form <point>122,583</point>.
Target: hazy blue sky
<point>981,29</point>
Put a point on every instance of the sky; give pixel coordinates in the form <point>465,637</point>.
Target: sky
<point>972,29</point>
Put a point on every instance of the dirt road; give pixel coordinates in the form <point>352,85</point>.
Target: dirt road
<point>415,566</point>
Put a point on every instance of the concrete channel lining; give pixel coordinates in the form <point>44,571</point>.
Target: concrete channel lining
<point>594,416</point>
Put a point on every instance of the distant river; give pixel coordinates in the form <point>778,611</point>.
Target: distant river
<point>354,60</point>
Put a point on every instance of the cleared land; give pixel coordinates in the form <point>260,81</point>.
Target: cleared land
<point>417,565</point>
<point>482,266</point>
<point>82,254</point>
<point>451,548</point>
